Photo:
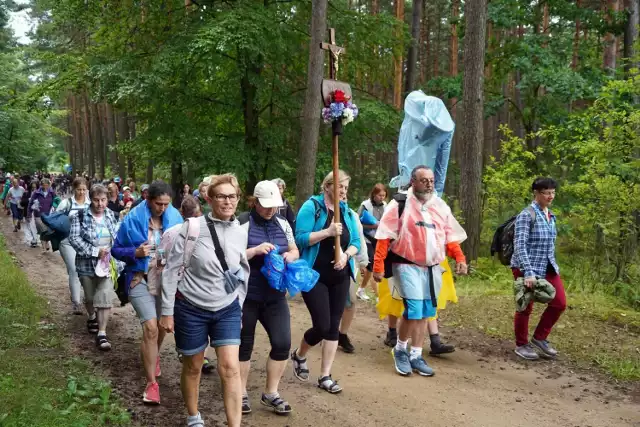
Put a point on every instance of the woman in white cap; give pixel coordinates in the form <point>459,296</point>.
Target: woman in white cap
<point>267,231</point>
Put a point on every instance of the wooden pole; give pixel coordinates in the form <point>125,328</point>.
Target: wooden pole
<point>334,53</point>
<point>336,194</point>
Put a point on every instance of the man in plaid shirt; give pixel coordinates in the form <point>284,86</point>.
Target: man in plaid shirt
<point>534,258</point>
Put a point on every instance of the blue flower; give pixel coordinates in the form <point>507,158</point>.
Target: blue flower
<point>336,109</point>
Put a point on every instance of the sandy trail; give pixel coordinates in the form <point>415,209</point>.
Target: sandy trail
<point>480,385</point>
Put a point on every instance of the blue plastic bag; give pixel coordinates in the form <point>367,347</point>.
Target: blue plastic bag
<point>274,269</point>
<point>367,218</point>
<point>299,277</point>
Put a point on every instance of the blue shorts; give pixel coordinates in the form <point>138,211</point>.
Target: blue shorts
<point>418,309</point>
<point>16,212</point>
<point>195,328</point>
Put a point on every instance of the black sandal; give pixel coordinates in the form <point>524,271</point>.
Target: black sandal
<point>300,372</point>
<point>328,384</point>
<point>278,405</point>
<point>102,342</point>
<point>92,326</point>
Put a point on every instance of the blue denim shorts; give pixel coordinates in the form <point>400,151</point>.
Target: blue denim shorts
<point>195,328</point>
<point>418,309</point>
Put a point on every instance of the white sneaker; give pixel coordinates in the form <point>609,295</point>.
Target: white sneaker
<point>362,295</point>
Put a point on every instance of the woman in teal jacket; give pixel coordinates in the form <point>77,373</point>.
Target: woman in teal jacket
<point>315,232</point>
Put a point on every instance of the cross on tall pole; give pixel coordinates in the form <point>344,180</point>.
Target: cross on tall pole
<point>334,53</point>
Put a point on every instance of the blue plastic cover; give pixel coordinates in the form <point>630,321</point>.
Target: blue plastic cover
<point>425,139</point>
<point>367,218</point>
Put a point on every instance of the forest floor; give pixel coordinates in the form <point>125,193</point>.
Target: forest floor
<point>481,384</point>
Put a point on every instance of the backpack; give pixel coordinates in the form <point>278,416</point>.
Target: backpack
<point>503,238</point>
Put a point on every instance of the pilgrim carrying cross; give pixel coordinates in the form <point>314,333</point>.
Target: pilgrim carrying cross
<point>334,52</point>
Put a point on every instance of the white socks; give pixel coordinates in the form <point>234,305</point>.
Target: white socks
<point>401,345</point>
<point>416,352</point>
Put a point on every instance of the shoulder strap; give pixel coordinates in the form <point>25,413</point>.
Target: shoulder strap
<point>69,206</point>
<point>318,210</point>
<point>532,212</point>
<point>216,244</point>
<point>401,199</point>
<point>368,205</point>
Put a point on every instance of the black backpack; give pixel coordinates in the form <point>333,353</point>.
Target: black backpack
<point>504,236</point>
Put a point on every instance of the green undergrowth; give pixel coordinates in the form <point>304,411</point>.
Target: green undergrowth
<point>597,329</point>
<point>41,384</point>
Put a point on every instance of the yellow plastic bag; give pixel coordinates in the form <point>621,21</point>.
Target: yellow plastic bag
<point>392,305</point>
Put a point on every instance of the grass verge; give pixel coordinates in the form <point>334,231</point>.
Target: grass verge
<point>595,330</point>
<point>41,384</point>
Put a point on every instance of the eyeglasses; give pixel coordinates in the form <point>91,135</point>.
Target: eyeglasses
<point>223,197</point>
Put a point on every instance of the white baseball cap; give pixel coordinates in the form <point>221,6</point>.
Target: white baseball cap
<point>268,194</point>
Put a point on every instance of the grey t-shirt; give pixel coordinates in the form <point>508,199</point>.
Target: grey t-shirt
<point>203,283</point>
<point>15,195</point>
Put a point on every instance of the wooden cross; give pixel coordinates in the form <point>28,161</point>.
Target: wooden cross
<point>334,52</point>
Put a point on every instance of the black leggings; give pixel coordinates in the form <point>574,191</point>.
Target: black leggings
<point>326,305</point>
<point>276,320</point>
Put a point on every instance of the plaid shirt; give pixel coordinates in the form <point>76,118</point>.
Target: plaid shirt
<point>83,238</point>
<point>534,249</point>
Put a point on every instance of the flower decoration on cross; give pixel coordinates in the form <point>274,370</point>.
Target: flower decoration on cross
<point>340,108</point>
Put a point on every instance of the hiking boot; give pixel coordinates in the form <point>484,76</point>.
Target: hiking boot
<point>151,394</point>
<point>527,352</point>
<point>401,361</point>
<point>441,348</point>
<point>392,339</point>
<point>246,406</point>
<point>420,366</point>
<point>19,225</point>
<point>15,229</point>
<point>361,294</point>
<point>545,347</point>
<point>345,343</point>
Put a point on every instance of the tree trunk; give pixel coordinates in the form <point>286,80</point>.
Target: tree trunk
<point>424,44</point>
<point>412,54</point>
<point>397,64</point>
<point>88,135</point>
<point>252,120</point>
<point>79,137</point>
<point>99,140</point>
<point>123,135</point>
<point>310,122</point>
<point>177,180</point>
<point>453,48</point>
<point>576,40</point>
<point>131,157</point>
<point>631,34</point>
<point>111,136</point>
<point>150,167</point>
<point>609,56</point>
<point>436,44</point>
<point>73,133</point>
<point>472,132</point>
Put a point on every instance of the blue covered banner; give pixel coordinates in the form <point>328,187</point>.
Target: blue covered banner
<point>425,139</point>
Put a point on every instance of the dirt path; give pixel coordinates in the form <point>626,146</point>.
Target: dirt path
<point>471,388</point>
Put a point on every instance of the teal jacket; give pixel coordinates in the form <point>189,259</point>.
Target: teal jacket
<point>312,217</point>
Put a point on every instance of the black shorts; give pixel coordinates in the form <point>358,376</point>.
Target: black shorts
<point>371,251</point>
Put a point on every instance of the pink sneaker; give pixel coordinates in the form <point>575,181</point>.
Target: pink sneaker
<point>158,370</point>
<point>152,394</point>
